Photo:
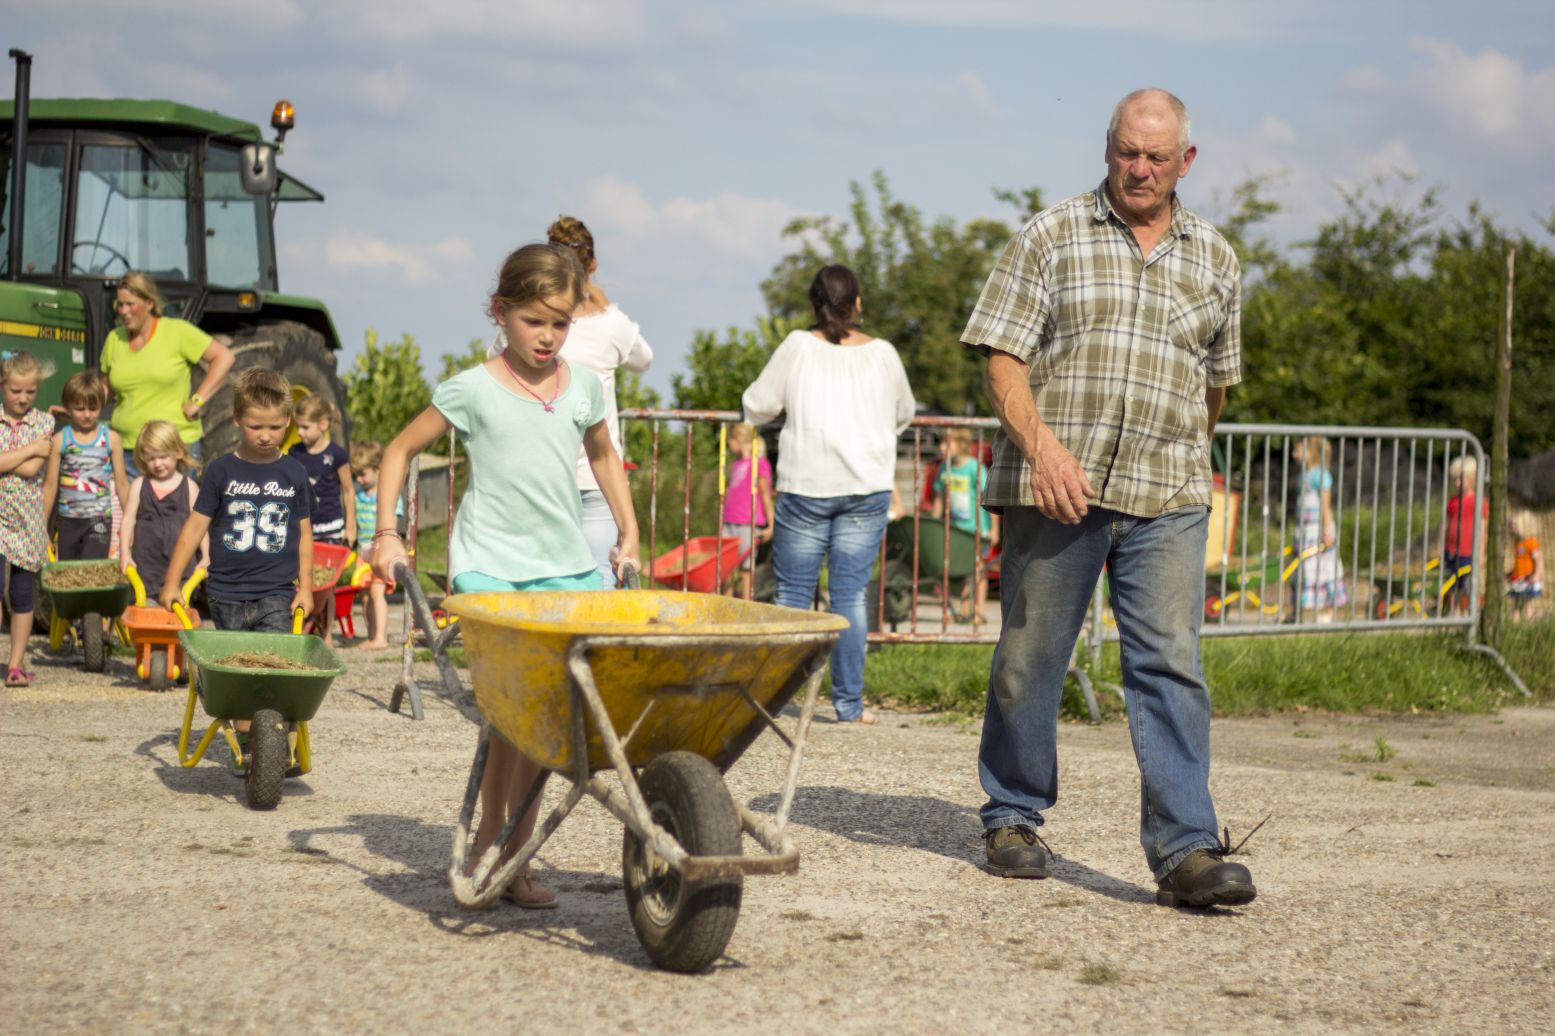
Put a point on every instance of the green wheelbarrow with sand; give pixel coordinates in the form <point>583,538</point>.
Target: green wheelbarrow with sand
<point>273,681</point>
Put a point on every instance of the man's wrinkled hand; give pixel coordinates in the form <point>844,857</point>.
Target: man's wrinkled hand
<point>1058,483</point>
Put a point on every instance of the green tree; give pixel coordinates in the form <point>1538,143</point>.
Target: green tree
<point>474,354</point>
<point>720,369</point>
<point>919,279</point>
<point>385,387</point>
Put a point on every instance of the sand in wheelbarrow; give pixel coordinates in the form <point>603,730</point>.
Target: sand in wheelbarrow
<point>322,574</point>
<point>262,660</point>
<point>84,577</point>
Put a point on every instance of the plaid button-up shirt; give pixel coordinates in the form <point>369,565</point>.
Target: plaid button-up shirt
<point>1121,349</point>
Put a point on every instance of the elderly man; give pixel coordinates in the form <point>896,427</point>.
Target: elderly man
<point>1111,329</point>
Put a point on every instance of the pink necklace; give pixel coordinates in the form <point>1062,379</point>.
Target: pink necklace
<point>549,404</point>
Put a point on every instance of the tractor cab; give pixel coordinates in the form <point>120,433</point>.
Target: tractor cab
<point>185,195</point>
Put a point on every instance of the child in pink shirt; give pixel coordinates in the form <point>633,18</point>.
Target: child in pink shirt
<point>747,508</point>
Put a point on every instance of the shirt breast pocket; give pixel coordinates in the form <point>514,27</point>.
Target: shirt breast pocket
<point>1193,321</point>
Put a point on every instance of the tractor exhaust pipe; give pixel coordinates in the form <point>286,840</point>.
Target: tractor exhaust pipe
<point>19,160</point>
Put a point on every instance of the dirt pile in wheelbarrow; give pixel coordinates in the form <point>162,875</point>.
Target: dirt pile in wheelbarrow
<point>323,574</point>
<point>263,660</point>
<point>84,577</point>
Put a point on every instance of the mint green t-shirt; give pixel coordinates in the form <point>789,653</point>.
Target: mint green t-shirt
<point>521,517</point>
<point>153,384</point>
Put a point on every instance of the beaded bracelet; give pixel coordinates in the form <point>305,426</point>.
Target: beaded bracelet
<point>388,532</point>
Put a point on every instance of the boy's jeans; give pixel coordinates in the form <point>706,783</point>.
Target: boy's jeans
<point>271,614</point>
<point>848,529</point>
<point>1048,571</point>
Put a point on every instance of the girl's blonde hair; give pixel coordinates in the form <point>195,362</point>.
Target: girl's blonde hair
<point>1316,451</point>
<point>1463,468</point>
<point>1522,521</point>
<point>142,286</point>
<point>316,408</point>
<point>14,363</point>
<point>746,433</point>
<point>160,438</point>
<point>535,273</point>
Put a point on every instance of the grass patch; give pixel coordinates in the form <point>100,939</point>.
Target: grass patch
<point>1385,778</point>
<point>455,652</point>
<point>1424,782</point>
<point>93,738</point>
<point>1375,672</point>
<point>797,915</point>
<point>1100,975</point>
<point>854,935</point>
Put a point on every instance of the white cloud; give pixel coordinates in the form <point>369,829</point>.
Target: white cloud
<point>1196,21</point>
<point>1391,158</point>
<point>388,89</point>
<point>727,225</point>
<point>414,264</point>
<point>1488,94</point>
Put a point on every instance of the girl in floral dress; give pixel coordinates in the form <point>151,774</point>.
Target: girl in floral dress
<point>25,436</point>
<point>1317,535</point>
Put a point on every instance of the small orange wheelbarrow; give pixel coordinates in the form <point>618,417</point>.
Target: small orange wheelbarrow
<point>153,633</point>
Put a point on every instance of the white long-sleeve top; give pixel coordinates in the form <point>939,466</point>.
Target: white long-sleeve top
<point>601,341</point>
<point>846,406</point>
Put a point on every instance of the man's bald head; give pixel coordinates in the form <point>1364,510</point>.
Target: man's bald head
<point>1153,99</point>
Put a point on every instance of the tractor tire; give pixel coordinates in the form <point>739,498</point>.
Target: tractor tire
<point>684,926</point>
<point>298,353</point>
<point>92,641</point>
<point>267,757</point>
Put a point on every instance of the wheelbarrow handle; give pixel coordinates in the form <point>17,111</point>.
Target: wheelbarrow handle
<point>631,578</point>
<point>298,618</point>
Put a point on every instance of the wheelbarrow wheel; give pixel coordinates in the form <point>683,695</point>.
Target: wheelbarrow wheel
<point>92,641</point>
<point>267,752</point>
<point>156,670</point>
<point>684,926</point>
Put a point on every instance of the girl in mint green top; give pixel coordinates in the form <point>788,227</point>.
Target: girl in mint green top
<point>522,417</point>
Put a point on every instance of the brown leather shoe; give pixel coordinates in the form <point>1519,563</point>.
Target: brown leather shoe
<point>1205,879</point>
<point>1016,851</point>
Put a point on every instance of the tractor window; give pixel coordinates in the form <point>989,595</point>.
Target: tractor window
<point>132,212</point>
<point>40,224</point>
<point>238,247</point>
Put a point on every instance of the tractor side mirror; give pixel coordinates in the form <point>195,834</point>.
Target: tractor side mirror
<point>256,166</point>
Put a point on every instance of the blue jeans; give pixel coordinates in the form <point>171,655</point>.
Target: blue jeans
<point>599,529</point>
<point>271,614</point>
<point>846,530</point>
<point>1157,578</point>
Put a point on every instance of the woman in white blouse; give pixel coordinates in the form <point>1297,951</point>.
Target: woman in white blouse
<point>847,400</point>
<point>602,339</point>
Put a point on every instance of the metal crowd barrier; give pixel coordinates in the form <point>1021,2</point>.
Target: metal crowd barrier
<point>1389,494</point>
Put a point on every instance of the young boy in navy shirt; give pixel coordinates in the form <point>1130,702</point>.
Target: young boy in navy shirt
<point>257,507</point>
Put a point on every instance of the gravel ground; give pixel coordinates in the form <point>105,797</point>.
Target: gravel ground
<point>139,896</point>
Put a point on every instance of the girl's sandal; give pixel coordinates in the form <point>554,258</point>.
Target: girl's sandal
<point>16,677</point>
<point>533,896</point>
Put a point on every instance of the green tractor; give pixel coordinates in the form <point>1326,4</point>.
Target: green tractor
<point>183,194</point>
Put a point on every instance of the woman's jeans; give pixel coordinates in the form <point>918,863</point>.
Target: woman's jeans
<point>848,530</point>
<point>1156,574</point>
<point>599,529</point>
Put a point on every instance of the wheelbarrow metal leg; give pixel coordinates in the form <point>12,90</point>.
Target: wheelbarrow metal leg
<point>811,674</point>
<point>482,886</point>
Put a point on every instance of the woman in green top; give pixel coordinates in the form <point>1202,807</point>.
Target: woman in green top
<point>148,362</point>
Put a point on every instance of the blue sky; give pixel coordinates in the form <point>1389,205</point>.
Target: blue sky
<point>687,134</point>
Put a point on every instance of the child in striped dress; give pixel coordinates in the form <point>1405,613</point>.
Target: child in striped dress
<point>25,435</point>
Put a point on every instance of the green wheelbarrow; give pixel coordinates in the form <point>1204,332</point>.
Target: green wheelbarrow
<point>276,702</point>
<point>88,604</point>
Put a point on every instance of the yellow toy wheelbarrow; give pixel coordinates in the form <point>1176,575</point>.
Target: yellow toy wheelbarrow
<point>664,689</point>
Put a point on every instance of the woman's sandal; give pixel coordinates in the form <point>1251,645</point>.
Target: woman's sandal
<point>535,896</point>
<point>15,677</point>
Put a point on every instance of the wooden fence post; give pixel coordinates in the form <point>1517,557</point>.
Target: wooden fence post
<point>1493,581</point>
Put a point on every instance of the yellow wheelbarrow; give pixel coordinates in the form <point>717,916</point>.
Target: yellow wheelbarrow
<point>666,690</point>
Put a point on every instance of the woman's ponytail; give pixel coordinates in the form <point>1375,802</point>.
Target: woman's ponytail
<point>834,298</point>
